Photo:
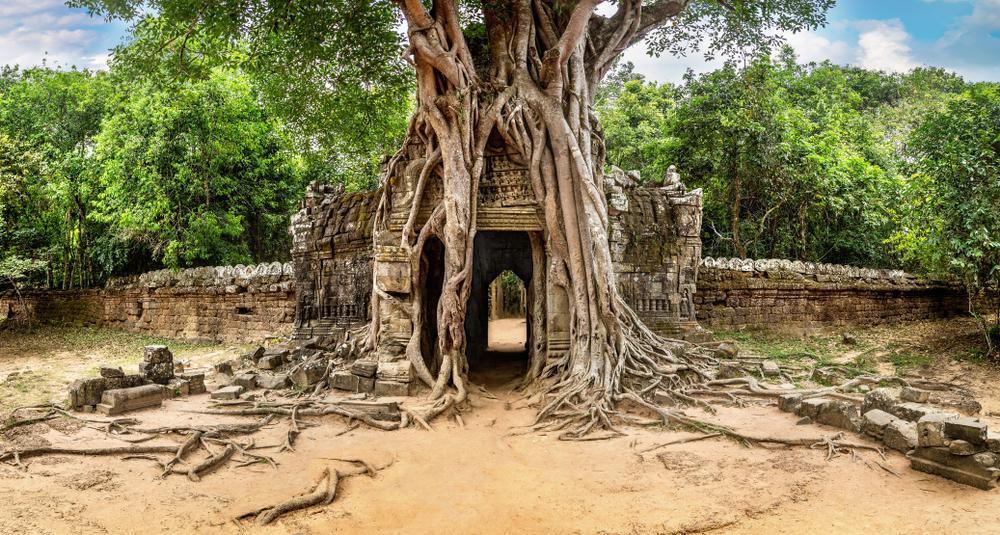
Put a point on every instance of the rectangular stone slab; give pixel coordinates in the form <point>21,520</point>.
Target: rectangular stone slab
<point>380,410</point>
<point>967,429</point>
<point>122,400</point>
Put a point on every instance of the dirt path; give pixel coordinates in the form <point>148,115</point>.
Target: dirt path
<point>487,478</point>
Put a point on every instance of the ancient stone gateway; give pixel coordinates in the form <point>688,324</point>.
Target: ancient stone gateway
<point>655,247</point>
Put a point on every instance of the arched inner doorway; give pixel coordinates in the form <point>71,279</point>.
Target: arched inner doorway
<point>494,253</point>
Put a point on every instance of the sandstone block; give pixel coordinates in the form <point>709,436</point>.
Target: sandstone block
<point>838,413</point>
<point>344,381</point>
<point>915,395</point>
<point>963,448</point>
<point>400,371</point>
<point>912,412</point>
<point>228,392</point>
<point>974,470</point>
<point>900,435</point>
<point>270,362</point>
<point>930,430</point>
<point>178,387</point>
<point>967,429</point>
<point>366,384</point>
<point>122,400</point>
<point>272,381</point>
<point>728,350</point>
<point>379,410</point>
<point>196,382</point>
<point>157,354</point>
<point>730,370</point>
<point>391,388</point>
<point>225,367</point>
<point>254,355</point>
<point>875,422</point>
<point>993,442</point>
<point>247,380</point>
<point>364,368</point>
<point>789,402</point>
<point>883,399</point>
<point>308,374</point>
<point>109,372</point>
<point>86,392</point>
<point>811,407</point>
<point>770,368</point>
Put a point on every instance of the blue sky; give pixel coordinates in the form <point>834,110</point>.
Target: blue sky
<point>892,35</point>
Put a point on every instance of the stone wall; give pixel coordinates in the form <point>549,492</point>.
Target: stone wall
<point>248,303</point>
<point>803,296</point>
<point>231,304</point>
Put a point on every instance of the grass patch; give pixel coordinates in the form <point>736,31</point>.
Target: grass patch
<point>780,348</point>
<point>902,359</point>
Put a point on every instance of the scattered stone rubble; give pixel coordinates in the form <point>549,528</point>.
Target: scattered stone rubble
<point>936,441</point>
<point>116,392</point>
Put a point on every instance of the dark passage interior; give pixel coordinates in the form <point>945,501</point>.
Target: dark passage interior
<point>495,252</point>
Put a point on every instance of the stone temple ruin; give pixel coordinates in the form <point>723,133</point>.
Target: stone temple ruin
<point>655,246</point>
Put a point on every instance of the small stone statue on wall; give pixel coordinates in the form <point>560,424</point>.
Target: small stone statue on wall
<point>672,180</point>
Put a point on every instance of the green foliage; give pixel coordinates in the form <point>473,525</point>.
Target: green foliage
<point>200,175</point>
<point>949,221</point>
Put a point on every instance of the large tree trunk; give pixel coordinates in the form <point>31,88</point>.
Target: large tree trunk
<point>536,92</point>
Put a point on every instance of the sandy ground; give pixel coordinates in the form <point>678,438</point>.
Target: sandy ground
<point>488,477</point>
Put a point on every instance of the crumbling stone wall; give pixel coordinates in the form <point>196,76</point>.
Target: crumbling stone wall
<point>803,296</point>
<point>232,304</point>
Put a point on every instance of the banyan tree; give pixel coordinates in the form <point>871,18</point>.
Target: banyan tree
<point>521,75</point>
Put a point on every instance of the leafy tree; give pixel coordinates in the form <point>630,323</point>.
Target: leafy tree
<point>199,175</point>
<point>950,222</point>
<point>524,72</point>
<point>56,114</point>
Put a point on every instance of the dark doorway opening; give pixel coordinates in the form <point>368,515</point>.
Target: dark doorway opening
<point>494,253</point>
<point>432,269</point>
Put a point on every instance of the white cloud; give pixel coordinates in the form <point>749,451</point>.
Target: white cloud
<point>884,45</point>
<point>811,46</point>
<point>37,31</point>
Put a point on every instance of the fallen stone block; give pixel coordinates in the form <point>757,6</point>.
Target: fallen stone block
<point>730,370</point>
<point>247,380</point>
<point>196,382</point>
<point>86,392</point>
<point>770,368</point>
<point>109,372</point>
<point>271,362</point>
<point>308,374</point>
<point>930,430</point>
<point>254,355</point>
<point>900,435</point>
<point>157,364</point>
<point>839,413</point>
<point>391,388</point>
<point>811,407</point>
<point>963,448</point>
<point>875,422</point>
<point>277,351</point>
<point>975,470</point>
<point>914,394</point>
<point>728,350</point>
<point>178,387</point>
<point>912,412</point>
<point>789,402</point>
<point>272,381</point>
<point>967,429</point>
<point>122,400</point>
<point>364,368</point>
<point>993,442</point>
<point>310,343</point>
<point>366,385</point>
<point>157,354</point>
<point>228,392</point>
<point>400,371</point>
<point>226,367</point>
<point>883,399</point>
<point>344,381</point>
<point>379,410</point>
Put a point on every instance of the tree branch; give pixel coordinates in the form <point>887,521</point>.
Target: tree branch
<point>655,15</point>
